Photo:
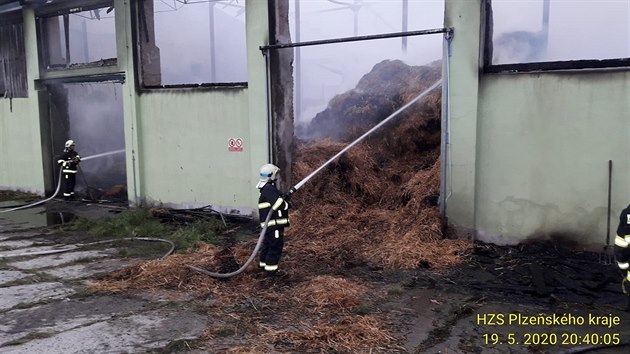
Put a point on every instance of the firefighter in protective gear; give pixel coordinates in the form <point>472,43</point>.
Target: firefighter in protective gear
<point>272,201</point>
<point>622,248</point>
<point>69,161</point>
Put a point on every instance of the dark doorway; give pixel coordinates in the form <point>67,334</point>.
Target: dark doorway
<point>91,114</point>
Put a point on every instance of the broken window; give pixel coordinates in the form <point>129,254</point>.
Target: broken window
<point>324,71</point>
<point>184,43</point>
<point>78,36</point>
<point>538,31</point>
<point>13,81</point>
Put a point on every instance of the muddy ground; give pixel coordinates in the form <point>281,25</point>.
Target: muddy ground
<point>533,298</point>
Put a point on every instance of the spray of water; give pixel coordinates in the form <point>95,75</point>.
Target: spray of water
<point>102,154</point>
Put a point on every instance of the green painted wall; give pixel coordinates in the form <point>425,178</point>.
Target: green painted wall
<point>544,141</point>
<point>20,146</point>
<point>20,142</point>
<point>182,137</point>
<point>176,140</point>
<point>183,146</point>
<point>530,152</point>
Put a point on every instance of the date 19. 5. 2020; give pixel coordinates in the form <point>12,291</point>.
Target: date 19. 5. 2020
<point>551,338</point>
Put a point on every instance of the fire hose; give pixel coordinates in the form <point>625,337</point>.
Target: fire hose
<point>59,183</point>
<point>75,247</point>
<point>39,202</point>
<point>307,178</point>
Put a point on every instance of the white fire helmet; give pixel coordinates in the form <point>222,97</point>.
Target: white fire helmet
<point>268,172</point>
<point>68,144</point>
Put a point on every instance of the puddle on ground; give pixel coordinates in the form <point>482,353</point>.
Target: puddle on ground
<point>60,218</point>
<point>37,216</point>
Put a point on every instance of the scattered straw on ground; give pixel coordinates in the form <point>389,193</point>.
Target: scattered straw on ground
<point>349,334</point>
<point>375,206</point>
<point>169,273</point>
<point>327,291</point>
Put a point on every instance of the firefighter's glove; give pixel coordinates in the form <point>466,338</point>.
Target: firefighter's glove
<point>287,199</point>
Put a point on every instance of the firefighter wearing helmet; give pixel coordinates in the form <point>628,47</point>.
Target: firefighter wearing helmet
<point>69,161</point>
<point>622,250</point>
<point>272,201</point>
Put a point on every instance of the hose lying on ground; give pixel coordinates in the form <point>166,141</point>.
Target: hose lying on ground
<point>247,263</point>
<point>59,182</point>
<point>303,181</point>
<point>75,247</point>
<point>39,202</point>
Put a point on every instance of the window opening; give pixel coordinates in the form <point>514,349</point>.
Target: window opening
<point>78,37</point>
<point>13,82</point>
<point>192,43</point>
<point>322,72</point>
<point>553,34</point>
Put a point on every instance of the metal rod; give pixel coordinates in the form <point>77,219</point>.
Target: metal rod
<point>298,65</point>
<point>545,27</point>
<point>213,55</point>
<point>302,182</point>
<point>609,197</point>
<point>268,102</point>
<point>445,126</point>
<point>405,19</point>
<point>358,38</point>
<point>66,34</point>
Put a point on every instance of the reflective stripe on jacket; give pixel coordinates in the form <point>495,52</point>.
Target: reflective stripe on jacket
<point>622,241</point>
<point>66,162</point>
<point>271,200</point>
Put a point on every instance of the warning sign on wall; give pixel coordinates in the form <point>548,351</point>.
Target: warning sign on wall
<point>235,144</point>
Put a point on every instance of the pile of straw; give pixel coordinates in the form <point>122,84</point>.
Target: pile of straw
<point>375,207</point>
<point>377,204</point>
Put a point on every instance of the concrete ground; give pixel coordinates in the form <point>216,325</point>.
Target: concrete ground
<point>44,306</point>
<point>502,300</point>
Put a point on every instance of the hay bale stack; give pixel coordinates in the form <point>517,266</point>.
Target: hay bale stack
<point>377,204</point>
<point>389,85</point>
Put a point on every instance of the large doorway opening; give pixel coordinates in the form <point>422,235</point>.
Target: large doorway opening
<point>387,193</point>
<point>91,114</point>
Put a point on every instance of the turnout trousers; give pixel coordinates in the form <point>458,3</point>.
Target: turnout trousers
<point>69,180</point>
<point>271,249</point>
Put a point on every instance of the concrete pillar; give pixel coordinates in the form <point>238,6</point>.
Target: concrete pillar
<point>281,65</point>
<point>465,17</point>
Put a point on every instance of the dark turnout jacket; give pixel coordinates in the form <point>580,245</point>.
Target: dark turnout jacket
<point>271,200</point>
<point>67,161</point>
<point>622,242</point>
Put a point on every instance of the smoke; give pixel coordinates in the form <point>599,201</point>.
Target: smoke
<point>201,42</point>
<point>91,37</point>
<point>519,47</point>
<point>388,86</point>
<point>324,71</point>
<point>95,116</point>
<point>574,30</point>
